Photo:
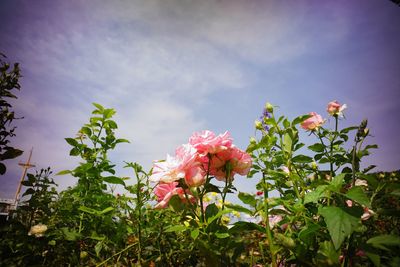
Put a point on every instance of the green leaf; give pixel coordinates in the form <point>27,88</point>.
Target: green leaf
<point>64,172</point>
<point>113,180</point>
<point>307,234</point>
<point>70,235</point>
<point>221,235</point>
<point>120,140</point>
<point>300,119</point>
<point>211,188</point>
<point>112,124</point>
<point>375,258</point>
<point>29,191</point>
<point>383,241</point>
<point>302,159</point>
<point>87,131</point>
<point>195,233</point>
<point>72,141</point>
<point>287,143</point>
<point>357,194</point>
<point>2,168</point>
<point>239,208</point>
<point>11,153</point>
<point>317,147</point>
<point>27,183</point>
<point>315,195</point>
<point>247,199</point>
<point>106,210</point>
<point>74,152</point>
<point>336,184</point>
<point>340,224</point>
<point>108,113</point>
<point>98,247</point>
<point>175,228</point>
<point>98,106</point>
<point>242,226</point>
<point>211,210</point>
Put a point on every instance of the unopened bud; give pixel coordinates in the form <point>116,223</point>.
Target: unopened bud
<point>314,165</point>
<point>366,132</point>
<point>269,107</point>
<point>258,125</point>
<point>253,141</point>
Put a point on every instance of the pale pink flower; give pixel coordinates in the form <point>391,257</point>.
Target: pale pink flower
<point>335,108</point>
<point>313,122</point>
<point>38,230</point>
<point>207,142</point>
<point>165,191</point>
<point>360,182</point>
<point>167,171</point>
<point>349,203</point>
<point>367,214</point>
<point>274,220</point>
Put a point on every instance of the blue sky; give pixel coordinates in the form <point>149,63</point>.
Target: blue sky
<point>172,67</point>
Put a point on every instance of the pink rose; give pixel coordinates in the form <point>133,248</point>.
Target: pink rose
<point>335,108</point>
<point>165,192</point>
<point>240,163</point>
<point>191,165</point>
<point>313,122</point>
<point>207,142</point>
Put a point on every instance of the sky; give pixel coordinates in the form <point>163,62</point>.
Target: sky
<point>174,67</point>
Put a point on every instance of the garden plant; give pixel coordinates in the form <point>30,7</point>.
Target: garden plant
<point>313,204</point>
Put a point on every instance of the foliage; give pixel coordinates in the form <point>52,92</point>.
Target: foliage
<point>314,205</point>
<point>9,81</point>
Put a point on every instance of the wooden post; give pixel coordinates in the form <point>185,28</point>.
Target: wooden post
<point>25,166</point>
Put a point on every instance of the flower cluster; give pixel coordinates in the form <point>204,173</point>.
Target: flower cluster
<point>206,155</point>
<point>315,120</point>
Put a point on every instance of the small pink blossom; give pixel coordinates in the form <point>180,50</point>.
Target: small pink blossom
<point>349,203</point>
<point>335,108</point>
<point>367,214</point>
<point>207,142</point>
<point>165,191</point>
<point>313,122</point>
<point>361,253</point>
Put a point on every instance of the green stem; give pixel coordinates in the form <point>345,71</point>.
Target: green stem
<point>139,212</point>
<point>202,192</point>
<point>116,254</point>
<point>331,147</point>
<point>267,227</point>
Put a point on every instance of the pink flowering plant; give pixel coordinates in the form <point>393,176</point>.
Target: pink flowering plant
<point>320,200</point>
<point>183,181</point>
<point>313,204</point>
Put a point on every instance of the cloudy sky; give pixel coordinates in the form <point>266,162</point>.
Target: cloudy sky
<point>172,67</point>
